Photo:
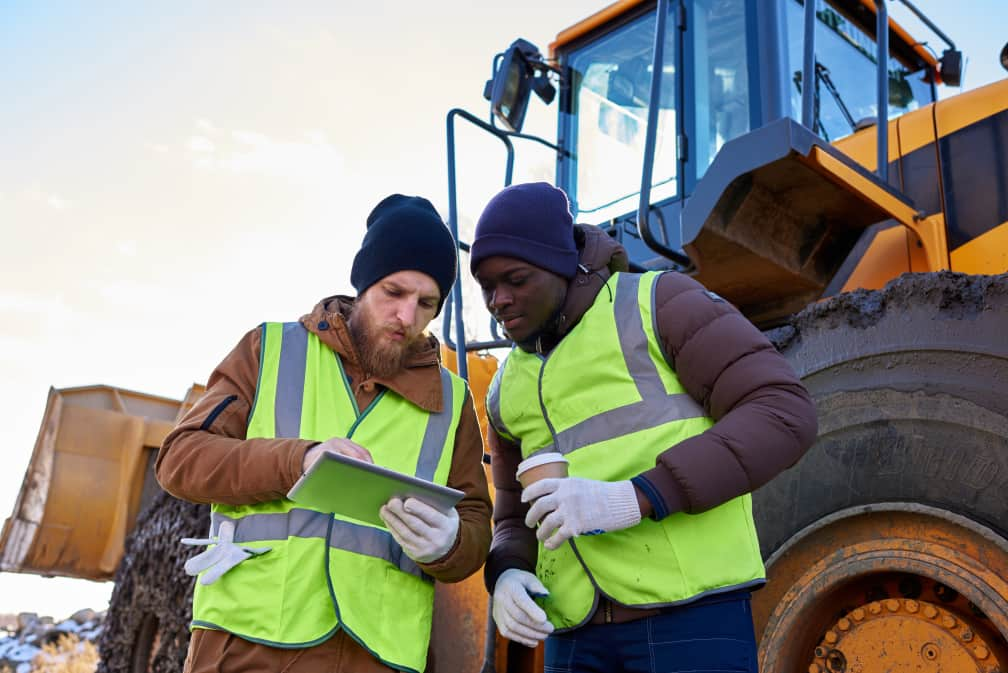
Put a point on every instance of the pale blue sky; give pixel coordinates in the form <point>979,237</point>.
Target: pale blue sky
<point>171,174</point>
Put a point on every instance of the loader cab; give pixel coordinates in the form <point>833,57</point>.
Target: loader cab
<point>729,67</point>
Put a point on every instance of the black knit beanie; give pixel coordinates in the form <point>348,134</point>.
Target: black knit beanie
<point>405,233</point>
<point>531,222</point>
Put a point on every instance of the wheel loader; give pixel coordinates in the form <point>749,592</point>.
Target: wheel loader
<point>764,148</point>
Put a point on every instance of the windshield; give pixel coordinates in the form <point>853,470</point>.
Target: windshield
<point>845,73</point>
<point>611,80</point>
<point>611,89</point>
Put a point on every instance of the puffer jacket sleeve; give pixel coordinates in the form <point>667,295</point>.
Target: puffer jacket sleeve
<point>207,459</point>
<point>514,543</point>
<point>765,418</point>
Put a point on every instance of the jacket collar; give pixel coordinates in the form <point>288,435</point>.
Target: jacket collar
<point>599,257</point>
<point>419,381</point>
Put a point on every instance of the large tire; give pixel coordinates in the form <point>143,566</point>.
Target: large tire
<point>147,626</point>
<point>911,388</point>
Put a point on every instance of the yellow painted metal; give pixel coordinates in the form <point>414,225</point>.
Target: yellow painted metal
<point>954,114</point>
<point>912,636</point>
<point>929,244</point>
<point>830,571</point>
<point>95,440</point>
<point>907,133</point>
<point>600,18</point>
<point>929,231</point>
<point>860,146</point>
<point>987,253</point>
<point>886,258</point>
<point>916,130</point>
<point>482,367</point>
<point>460,609</point>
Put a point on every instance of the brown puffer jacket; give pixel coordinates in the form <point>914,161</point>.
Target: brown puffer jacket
<point>207,459</point>
<point>765,419</point>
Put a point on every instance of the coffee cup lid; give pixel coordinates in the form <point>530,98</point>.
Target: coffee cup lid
<point>539,459</point>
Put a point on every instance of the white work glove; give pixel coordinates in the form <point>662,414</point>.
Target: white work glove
<point>424,533</point>
<point>222,557</point>
<point>517,616</point>
<point>575,506</point>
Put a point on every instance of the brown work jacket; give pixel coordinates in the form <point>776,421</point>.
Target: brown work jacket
<point>765,419</point>
<point>207,459</point>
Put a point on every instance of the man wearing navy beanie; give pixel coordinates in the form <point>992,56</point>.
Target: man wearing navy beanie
<point>669,408</point>
<point>357,376</point>
<point>405,233</point>
<point>531,222</point>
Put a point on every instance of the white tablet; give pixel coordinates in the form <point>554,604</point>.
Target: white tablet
<point>352,488</point>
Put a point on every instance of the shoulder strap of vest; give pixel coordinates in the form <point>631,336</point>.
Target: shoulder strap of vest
<point>280,386</point>
<point>290,379</point>
<point>657,406</point>
<point>438,426</point>
<point>493,408</point>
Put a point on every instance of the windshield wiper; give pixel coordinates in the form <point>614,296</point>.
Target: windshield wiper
<point>822,74</point>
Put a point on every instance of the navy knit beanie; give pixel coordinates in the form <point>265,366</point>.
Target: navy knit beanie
<point>405,233</point>
<point>531,222</point>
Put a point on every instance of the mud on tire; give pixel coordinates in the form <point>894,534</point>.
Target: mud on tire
<point>911,387</point>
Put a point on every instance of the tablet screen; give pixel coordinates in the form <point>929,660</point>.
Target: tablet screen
<point>352,488</point>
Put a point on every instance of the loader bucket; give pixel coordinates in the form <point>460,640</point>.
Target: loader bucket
<point>777,213</point>
<point>91,473</point>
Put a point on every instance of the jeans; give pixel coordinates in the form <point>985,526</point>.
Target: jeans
<point>712,635</point>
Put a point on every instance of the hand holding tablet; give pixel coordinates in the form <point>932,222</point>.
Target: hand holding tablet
<point>357,489</point>
<point>340,445</point>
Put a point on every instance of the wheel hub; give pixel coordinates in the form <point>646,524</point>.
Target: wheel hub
<point>911,636</point>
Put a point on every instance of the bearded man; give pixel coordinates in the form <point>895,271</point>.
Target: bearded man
<point>295,589</point>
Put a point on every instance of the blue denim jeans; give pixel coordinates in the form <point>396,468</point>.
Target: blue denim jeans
<point>712,635</point>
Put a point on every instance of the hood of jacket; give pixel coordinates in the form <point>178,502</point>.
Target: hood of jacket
<point>600,256</point>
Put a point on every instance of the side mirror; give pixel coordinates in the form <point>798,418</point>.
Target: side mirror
<point>951,67</point>
<point>521,71</point>
<point>510,91</point>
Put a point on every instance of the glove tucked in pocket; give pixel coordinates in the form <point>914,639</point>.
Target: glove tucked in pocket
<point>222,557</point>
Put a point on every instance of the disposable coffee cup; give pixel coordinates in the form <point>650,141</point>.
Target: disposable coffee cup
<point>541,466</point>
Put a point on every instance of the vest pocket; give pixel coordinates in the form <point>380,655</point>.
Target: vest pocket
<point>278,597</point>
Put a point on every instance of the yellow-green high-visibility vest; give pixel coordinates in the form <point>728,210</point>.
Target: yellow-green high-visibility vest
<point>606,398</point>
<point>326,572</point>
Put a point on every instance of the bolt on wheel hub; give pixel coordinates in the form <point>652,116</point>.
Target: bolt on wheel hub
<point>911,636</point>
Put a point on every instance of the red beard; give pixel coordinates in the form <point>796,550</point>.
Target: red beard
<point>380,355</point>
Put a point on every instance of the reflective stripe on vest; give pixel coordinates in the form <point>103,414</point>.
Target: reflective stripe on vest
<point>606,398</point>
<point>327,572</point>
<point>307,523</point>
<point>656,406</point>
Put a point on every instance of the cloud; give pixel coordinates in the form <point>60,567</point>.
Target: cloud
<point>33,304</point>
<point>200,144</point>
<point>47,198</point>
<point>126,248</point>
<point>312,159</point>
